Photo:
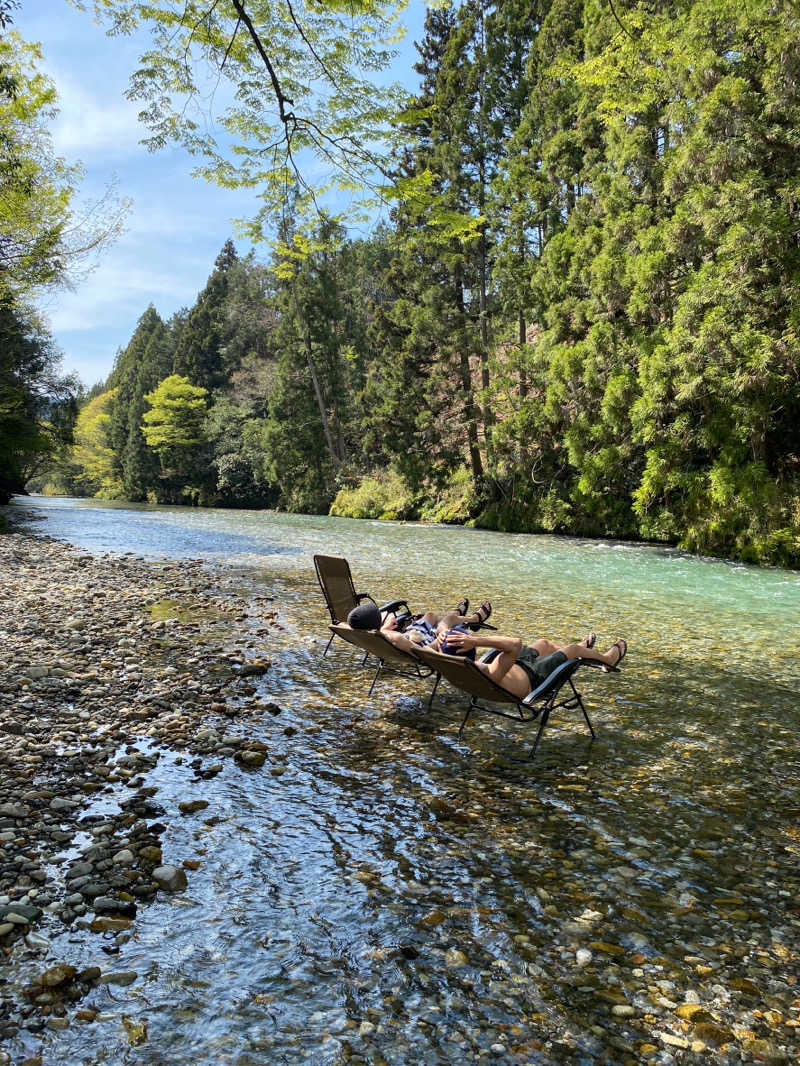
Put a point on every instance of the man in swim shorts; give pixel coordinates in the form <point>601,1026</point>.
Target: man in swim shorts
<point>520,668</point>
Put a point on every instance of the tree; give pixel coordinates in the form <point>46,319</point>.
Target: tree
<point>201,352</point>
<point>37,404</point>
<point>421,397</point>
<point>301,89</point>
<point>174,429</point>
<point>175,419</point>
<point>92,453</point>
<point>44,237</point>
<point>138,368</point>
<point>43,242</point>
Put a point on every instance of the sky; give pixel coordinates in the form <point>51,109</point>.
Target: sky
<point>176,225</point>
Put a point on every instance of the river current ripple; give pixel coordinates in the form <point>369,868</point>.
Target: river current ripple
<point>397,896</point>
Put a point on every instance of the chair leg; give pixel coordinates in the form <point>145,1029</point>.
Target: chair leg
<point>542,724</point>
<point>466,716</point>
<point>375,678</point>
<point>580,704</point>
<point>327,646</point>
<point>433,690</point>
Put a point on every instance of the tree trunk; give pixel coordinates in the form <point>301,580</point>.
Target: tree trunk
<point>326,426</point>
<point>524,453</point>
<point>470,409</point>
<point>486,411</point>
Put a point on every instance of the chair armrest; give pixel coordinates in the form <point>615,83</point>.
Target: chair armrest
<point>555,679</point>
<point>393,606</point>
<point>364,596</point>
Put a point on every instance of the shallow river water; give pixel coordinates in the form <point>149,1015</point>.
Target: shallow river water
<point>399,896</point>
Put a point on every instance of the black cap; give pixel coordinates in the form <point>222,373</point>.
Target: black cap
<point>365,616</point>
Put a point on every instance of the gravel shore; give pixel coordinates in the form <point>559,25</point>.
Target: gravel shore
<point>106,662</point>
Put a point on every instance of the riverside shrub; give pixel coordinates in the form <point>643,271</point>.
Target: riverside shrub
<point>383,495</point>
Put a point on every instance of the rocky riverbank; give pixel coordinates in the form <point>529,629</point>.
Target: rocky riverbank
<point>107,662</point>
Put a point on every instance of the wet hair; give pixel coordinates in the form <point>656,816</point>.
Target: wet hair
<point>365,616</point>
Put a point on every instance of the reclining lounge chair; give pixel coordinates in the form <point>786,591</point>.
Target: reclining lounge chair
<point>486,694</point>
<point>340,594</point>
<point>389,656</point>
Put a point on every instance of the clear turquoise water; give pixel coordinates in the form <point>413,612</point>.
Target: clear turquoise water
<point>399,896</point>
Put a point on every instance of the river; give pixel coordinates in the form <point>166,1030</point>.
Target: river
<point>400,896</point>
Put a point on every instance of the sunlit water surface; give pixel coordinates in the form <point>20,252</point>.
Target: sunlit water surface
<point>398,896</point>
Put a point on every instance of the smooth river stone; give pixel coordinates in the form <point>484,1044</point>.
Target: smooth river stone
<point>170,878</point>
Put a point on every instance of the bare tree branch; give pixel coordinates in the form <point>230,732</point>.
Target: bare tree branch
<point>230,45</point>
<point>619,21</point>
<point>286,116</point>
<point>310,46</point>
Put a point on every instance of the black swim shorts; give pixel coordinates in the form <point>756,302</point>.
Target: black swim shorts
<point>539,667</point>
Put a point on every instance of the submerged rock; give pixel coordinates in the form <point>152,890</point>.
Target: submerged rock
<point>170,878</point>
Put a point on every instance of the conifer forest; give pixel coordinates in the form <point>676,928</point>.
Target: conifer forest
<point>580,313</point>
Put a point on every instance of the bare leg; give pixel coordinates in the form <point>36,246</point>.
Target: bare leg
<point>545,647</point>
<point>580,651</point>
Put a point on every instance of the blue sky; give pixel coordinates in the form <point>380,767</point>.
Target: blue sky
<point>177,224</point>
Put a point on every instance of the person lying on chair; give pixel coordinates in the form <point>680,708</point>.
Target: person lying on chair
<point>521,668</point>
<point>426,630</point>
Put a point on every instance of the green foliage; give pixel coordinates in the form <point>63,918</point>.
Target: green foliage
<point>37,406</point>
<point>174,423</point>
<point>92,453</point>
<point>583,319</point>
<point>384,496</point>
<point>138,368</point>
<point>44,239</point>
<point>452,501</point>
<point>299,83</point>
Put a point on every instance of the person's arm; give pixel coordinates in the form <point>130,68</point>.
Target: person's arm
<point>400,640</point>
<point>466,641</point>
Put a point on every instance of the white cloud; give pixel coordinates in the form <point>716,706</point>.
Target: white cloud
<point>87,128</point>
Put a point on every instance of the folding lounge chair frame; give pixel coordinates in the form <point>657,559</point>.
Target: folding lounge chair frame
<point>390,657</point>
<point>336,582</point>
<point>482,690</point>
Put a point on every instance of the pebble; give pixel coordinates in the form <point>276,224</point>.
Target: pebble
<point>57,975</point>
<point>123,978</point>
<point>170,878</point>
<point>88,685</point>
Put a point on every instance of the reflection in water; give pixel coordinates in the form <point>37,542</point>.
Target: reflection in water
<point>381,893</point>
